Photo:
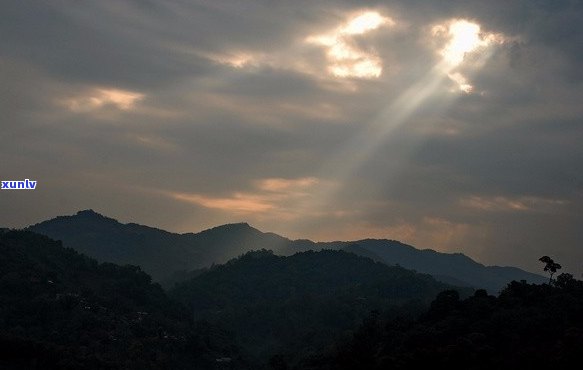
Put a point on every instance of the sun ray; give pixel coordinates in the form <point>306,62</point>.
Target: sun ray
<point>463,38</point>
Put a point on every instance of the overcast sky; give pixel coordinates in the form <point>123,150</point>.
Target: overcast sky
<point>451,125</point>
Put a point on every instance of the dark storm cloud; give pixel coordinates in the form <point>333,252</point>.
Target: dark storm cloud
<point>188,114</point>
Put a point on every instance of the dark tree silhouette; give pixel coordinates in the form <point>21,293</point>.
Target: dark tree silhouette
<point>550,266</point>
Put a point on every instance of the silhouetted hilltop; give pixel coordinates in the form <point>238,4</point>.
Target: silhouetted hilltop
<point>295,303</point>
<point>225,242</point>
<point>168,256</point>
<point>264,276</point>
<point>156,251</point>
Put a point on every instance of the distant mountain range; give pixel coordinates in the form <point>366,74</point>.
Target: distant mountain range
<point>160,253</point>
<point>169,256</point>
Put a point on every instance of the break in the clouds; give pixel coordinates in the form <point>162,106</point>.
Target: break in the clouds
<point>450,125</point>
<point>345,57</point>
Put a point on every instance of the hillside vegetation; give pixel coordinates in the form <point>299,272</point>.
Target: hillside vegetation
<point>297,303</point>
<point>527,326</point>
<point>62,310</point>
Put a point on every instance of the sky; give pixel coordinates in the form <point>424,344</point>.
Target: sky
<point>451,125</point>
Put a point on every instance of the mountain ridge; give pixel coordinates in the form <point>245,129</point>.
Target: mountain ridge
<point>162,253</point>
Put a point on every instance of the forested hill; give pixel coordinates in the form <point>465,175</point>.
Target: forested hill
<point>526,327</point>
<point>62,310</point>
<point>299,303</point>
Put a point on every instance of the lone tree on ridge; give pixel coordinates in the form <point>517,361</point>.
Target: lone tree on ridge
<point>550,266</point>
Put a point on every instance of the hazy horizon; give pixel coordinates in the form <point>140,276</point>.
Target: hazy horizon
<point>455,126</point>
<point>124,222</point>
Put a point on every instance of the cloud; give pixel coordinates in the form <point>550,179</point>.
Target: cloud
<point>461,81</point>
<point>278,184</point>
<point>463,44</point>
<point>505,204</point>
<point>463,38</point>
<point>97,98</point>
<point>345,57</point>
<point>270,198</point>
<point>228,112</point>
<point>237,203</point>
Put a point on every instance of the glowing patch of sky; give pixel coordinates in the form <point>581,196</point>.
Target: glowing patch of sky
<point>283,199</point>
<point>97,98</point>
<point>463,38</point>
<point>345,58</point>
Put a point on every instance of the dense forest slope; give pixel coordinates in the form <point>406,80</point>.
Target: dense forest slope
<point>301,302</point>
<point>525,327</point>
<point>62,310</point>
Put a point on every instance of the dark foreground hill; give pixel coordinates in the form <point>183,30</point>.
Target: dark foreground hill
<point>62,310</point>
<point>298,303</point>
<point>525,327</point>
<point>169,256</point>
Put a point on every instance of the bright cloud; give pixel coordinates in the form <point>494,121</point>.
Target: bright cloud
<point>364,23</point>
<point>463,38</point>
<point>458,40</point>
<point>97,98</point>
<point>345,58</point>
<point>461,81</point>
<point>236,203</point>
